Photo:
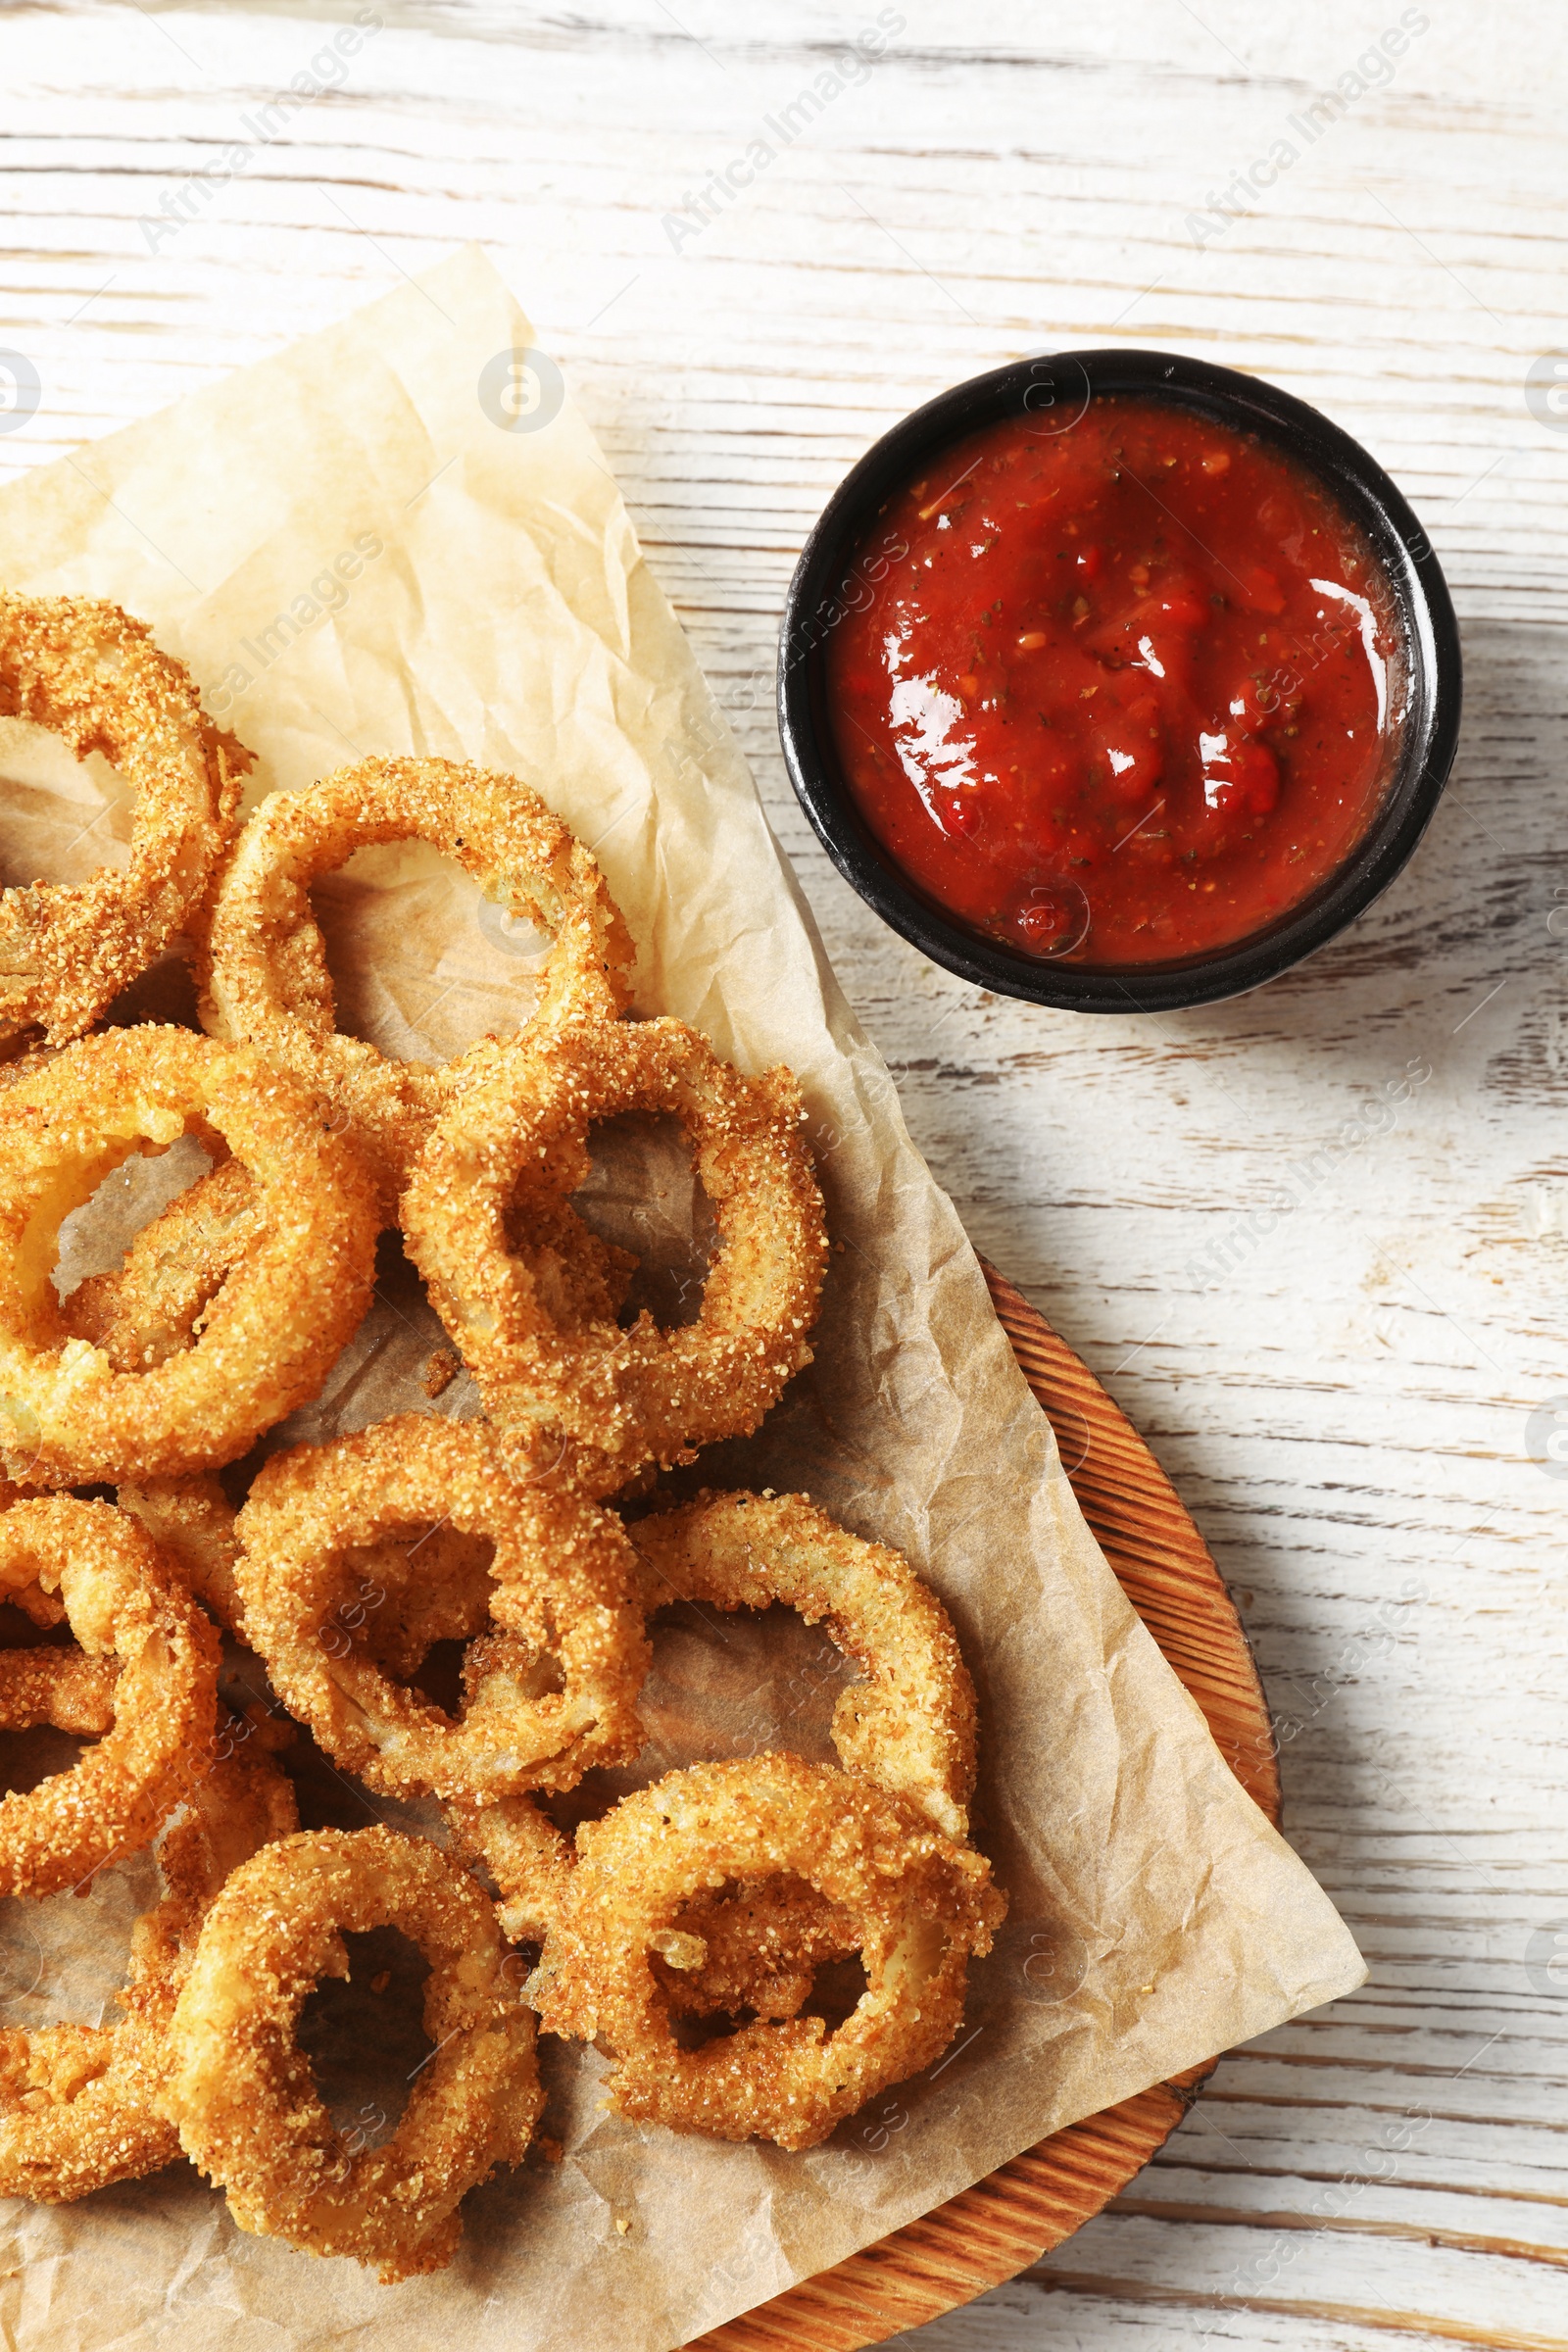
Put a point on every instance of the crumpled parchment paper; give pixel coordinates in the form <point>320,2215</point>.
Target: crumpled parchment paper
<point>400,536</point>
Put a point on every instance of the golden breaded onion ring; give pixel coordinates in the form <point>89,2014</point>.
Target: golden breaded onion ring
<point>78,2103</point>
<point>91,674</point>
<point>273,1329</point>
<point>518,1138</point>
<point>264,961</point>
<point>123,1600</point>
<point>241,2091</point>
<point>920,1905</point>
<point>564,1585</point>
<point>910,1724</point>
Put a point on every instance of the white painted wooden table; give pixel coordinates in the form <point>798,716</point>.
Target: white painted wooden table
<point>1342,1393</point>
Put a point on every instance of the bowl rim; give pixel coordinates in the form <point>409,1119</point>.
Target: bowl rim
<point>824,572</point>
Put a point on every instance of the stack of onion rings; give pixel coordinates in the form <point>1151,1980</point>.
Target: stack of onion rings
<point>920,1906</point>
<point>266,984</point>
<point>564,1579</point>
<point>240,2089</point>
<point>78,2105</point>
<point>908,1725</point>
<point>122,1601</point>
<point>725,1887</point>
<point>518,1138</point>
<point>272,1332</point>
<point>90,674</point>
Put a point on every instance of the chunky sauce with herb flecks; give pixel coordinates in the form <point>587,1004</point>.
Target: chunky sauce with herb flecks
<point>1119,692</point>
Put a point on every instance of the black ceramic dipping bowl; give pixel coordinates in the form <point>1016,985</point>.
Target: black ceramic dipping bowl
<point>824,587</point>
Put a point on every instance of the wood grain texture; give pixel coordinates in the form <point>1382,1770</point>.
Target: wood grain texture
<point>989,2233</point>
<point>1337,1368</point>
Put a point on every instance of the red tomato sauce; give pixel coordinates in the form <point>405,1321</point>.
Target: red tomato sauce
<point>1119,692</point>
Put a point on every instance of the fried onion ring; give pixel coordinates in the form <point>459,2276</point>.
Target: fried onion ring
<point>910,1725</point>
<point>272,1332</point>
<point>263,963</point>
<point>562,1585</point>
<point>121,1598</point>
<point>519,1138</point>
<point>91,674</point>
<point>241,2091</point>
<point>920,1904</point>
<point>78,2103</point>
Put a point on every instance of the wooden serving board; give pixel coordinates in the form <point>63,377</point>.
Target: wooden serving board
<point>991,2231</point>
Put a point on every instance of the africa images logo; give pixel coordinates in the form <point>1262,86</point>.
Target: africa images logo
<point>521,389</point>
<point>21,390</point>
<point>1547,1436</point>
